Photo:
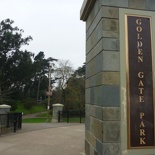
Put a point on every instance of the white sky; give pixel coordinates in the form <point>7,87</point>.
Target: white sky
<point>54,25</point>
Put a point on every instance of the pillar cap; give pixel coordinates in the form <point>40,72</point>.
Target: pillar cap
<point>5,106</point>
<point>86,8</point>
<point>57,105</point>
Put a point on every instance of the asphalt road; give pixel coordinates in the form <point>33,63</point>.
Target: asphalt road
<point>44,139</point>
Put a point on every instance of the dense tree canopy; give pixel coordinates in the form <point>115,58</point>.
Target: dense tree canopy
<point>24,75</point>
<point>19,70</point>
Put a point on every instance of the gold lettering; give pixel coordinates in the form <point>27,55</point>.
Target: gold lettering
<point>141,90</point>
<point>139,44</point>
<point>142,125</point>
<point>140,58</point>
<point>142,141</point>
<point>141,75</point>
<point>139,29</point>
<point>140,51</point>
<point>138,22</point>
<point>141,115</point>
<point>141,99</point>
<point>142,132</point>
<point>139,37</point>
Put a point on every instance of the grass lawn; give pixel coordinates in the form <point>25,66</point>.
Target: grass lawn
<point>35,109</point>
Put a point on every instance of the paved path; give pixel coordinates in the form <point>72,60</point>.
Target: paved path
<point>44,139</point>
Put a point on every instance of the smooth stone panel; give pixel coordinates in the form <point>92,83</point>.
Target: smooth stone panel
<point>110,78</point>
<point>88,95</point>
<point>99,147</point>
<point>98,112</point>
<point>111,61</point>
<point>90,138</point>
<point>95,51</point>
<point>150,5</point>
<point>87,147</point>
<point>111,113</point>
<point>110,28</point>
<point>137,4</point>
<point>87,122</point>
<point>119,3</point>
<point>111,131</point>
<point>110,44</point>
<point>97,129</point>
<point>111,149</point>
<point>111,96</point>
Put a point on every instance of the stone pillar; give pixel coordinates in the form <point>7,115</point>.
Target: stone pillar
<point>106,108</point>
<point>56,108</point>
<point>4,109</point>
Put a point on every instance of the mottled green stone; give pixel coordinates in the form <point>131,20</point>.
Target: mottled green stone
<point>137,4</point>
<point>111,113</point>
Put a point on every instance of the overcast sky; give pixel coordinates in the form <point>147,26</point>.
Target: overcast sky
<point>54,25</point>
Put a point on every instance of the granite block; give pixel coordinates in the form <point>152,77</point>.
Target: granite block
<point>99,62</point>
<point>111,113</point>
<point>110,78</point>
<point>99,147</point>
<point>97,129</point>
<point>110,28</point>
<point>92,94</point>
<point>90,138</point>
<point>118,3</point>
<point>150,5</point>
<point>91,150</point>
<point>110,44</point>
<point>95,51</point>
<point>110,12</point>
<point>98,112</point>
<point>110,96</point>
<point>98,79</point>
<point>111,131</point>
<point>92,110</point>
<point>111,61</point>
<point>137,4</point>
<point>92,67</point>
<point>88,83</point>
<point>93,14</point>
<point>87,122</point>
<point>88,95</point>
<point>87,109</point>
<point>98,96</point>
<point>87,148</point>
<point>87,70</point>
<point>111,149</point>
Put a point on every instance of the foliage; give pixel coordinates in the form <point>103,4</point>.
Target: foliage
<point>73,94</point>
<point>29,103</point>
<point>10,102</point>
<point>12,58</point>
<point>22,74</point>
<point>35,108</point>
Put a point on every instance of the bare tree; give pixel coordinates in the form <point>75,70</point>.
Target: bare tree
<point>63,71</point>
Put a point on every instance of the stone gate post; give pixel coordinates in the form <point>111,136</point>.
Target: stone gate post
<point>120,73</point>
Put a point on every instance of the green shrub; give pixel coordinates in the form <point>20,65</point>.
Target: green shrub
<point>29,103</point>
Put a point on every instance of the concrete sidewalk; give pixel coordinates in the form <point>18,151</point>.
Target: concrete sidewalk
<point>44,139</point>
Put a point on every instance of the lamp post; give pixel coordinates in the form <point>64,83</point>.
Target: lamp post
<point>49,94</point>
